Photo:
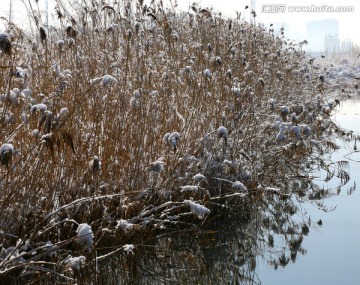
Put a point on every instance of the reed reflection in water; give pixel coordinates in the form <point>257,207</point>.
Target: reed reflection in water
<point>244,241</point>
<point>224,249</point>
<point>332,249</point>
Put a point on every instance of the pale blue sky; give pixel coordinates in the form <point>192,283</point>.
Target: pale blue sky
<point>297,21</point>
<point>348,21</point>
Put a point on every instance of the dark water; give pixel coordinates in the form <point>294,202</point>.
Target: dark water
<point>265,238</point>
<point>333,249</point>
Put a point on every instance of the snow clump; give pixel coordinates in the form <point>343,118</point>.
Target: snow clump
<point>85,235</point>
<point>197,209</point>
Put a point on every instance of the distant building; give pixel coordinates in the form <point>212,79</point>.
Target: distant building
<point>347,46</point>
<point>316,32</point>
<point>332,43</point>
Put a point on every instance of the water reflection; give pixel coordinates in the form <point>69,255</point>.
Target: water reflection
<point>224,249</point>
<point>349,115</point>
<point>233,245</point>
<point>230,245</point>
<point>332,249</point>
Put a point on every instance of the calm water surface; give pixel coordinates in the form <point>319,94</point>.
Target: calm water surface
<point>332,250</point>
<point>241,244</point>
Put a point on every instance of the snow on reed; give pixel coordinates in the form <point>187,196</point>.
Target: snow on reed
<point>197,209</point>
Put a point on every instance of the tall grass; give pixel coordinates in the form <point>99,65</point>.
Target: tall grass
<point>87,107</point>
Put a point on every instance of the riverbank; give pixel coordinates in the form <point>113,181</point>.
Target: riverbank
<point>336,239</point>
<point>122,128</point>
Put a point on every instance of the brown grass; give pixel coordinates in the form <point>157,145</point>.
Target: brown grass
<point>90,164</point>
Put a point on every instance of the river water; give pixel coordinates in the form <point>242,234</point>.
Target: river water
<point>271,240</point>
<point>333,249</point>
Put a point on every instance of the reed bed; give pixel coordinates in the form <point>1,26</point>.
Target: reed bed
<point>127,124</point>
